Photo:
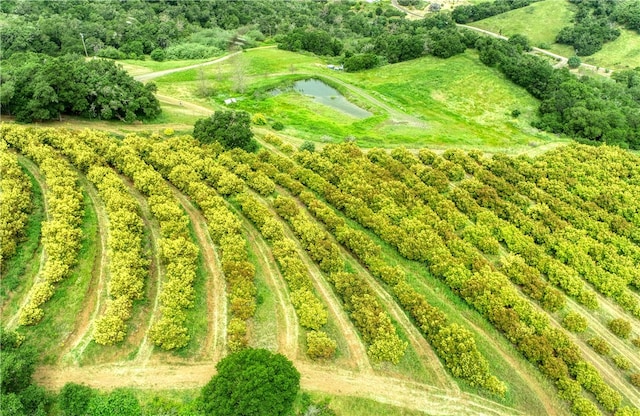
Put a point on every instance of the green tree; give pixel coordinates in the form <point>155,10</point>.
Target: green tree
<point>230,128</point>
<point>74,399</point>
<point>252,382</point>
<point>574,62</point>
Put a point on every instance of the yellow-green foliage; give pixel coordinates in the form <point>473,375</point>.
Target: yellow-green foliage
<point>177,252</point>
<point>61,232</point>
<point>15,194</point>
<point>320,345</point>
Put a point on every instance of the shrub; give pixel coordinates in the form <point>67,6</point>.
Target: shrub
<point>168,131</point>
<point>278,126</point>
<point>574,62</point>
<point>516,113</point>
<point>308,146</point>
<point>319,345</point>
<point>575,322</point>
<point>599,345</point>
<point>620,327</point>
<point>621,362</point>
<point>635,379</point>
<point>259,119</point>
<point>158,55</point>
<point>636,342</point>
<point>74,399</point>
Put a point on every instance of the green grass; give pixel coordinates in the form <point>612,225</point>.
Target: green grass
<point>196,320</point>
<point>540,21</point>
<point>62,310</point>
<point>622,53</point>
<point>27,251</point>
<point>263,326</point>
<point>359,406</point>
<point>462,102</point>
<point>139,67</point>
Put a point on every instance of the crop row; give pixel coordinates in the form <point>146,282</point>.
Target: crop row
<point>61,233</point>
<point>176,160</point>
<point>15,190</point>
<point>177,252</point>
<point>128,266</point>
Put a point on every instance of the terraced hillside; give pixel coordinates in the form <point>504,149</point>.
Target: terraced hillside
<point>450,283</point>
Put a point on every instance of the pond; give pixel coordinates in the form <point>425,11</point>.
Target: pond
<point>324,94</point>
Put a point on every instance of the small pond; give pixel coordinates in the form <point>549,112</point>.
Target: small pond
<point>324,94</point>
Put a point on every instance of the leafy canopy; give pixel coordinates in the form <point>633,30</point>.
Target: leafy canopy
<point>230,128</point>
<point>252,382</point>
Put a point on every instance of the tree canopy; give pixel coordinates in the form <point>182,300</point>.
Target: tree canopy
<point>252,382</point>
<point>229,128</point>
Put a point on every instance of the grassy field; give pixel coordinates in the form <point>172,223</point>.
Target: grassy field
<point>540,22</point>
<point>139,67</point>
<point>457,101</point>
<point>622,53</point>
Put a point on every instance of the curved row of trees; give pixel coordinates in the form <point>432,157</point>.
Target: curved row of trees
<point>16,202</point>
<point>61,233</point>
<point>128,265</point>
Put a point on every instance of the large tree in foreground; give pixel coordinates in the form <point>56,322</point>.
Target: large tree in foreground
<point>252,382</point>
<point>230,128</point>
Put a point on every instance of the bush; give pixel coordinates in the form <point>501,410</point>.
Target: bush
<point>599,345</point>
<point>308,146</point>
<point>74,399</point>
<point>259,119</point>
<point>252,382</point>
<point>119,402</point>
<point>361,61</point>
<point>319,345</point>
<point>620,327</point>
<point>635,379</point>
<point>574,62</point>
<point>636,342</point>
<point>278,126</point>
<point>621,362</point>
<point>111,53</point>
<point>575,322</point>
<point>158,55</point>
<point>516,113</point>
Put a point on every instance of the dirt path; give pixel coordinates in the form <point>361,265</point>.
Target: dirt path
<point>357,350</point>
<point>156,275</point>
<point>157,74</point>
<point>621,347</point>
<point>216,340</point>
<point>544,397</point>
<point>329,380</point>
<point>288,330</point>
<point>35,171</point>
<point>82,333</point>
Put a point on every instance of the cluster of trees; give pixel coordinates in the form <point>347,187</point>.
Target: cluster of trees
<point>39,87</point>
<point>592,27</point>
<point>128,266</point>
<point>182,163</point>
<point>468,13</point>
<point>577,107</point>
<point>20,396</point>
<point>458,264</point>
<point>312,314</point>
<point>407,40</point>
<point>61,233</point>
<point>16,202</point>
<point>178,253</point>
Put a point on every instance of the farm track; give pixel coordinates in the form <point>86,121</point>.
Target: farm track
<point>287,338</point>
<point>216,340</point>
<point>602,331</point>
<point>416,340</point>
<point>357,350</point>
<point>35,171</point>
<point>329,380</point>
<point>82,335</point>
<point>156,271</point>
